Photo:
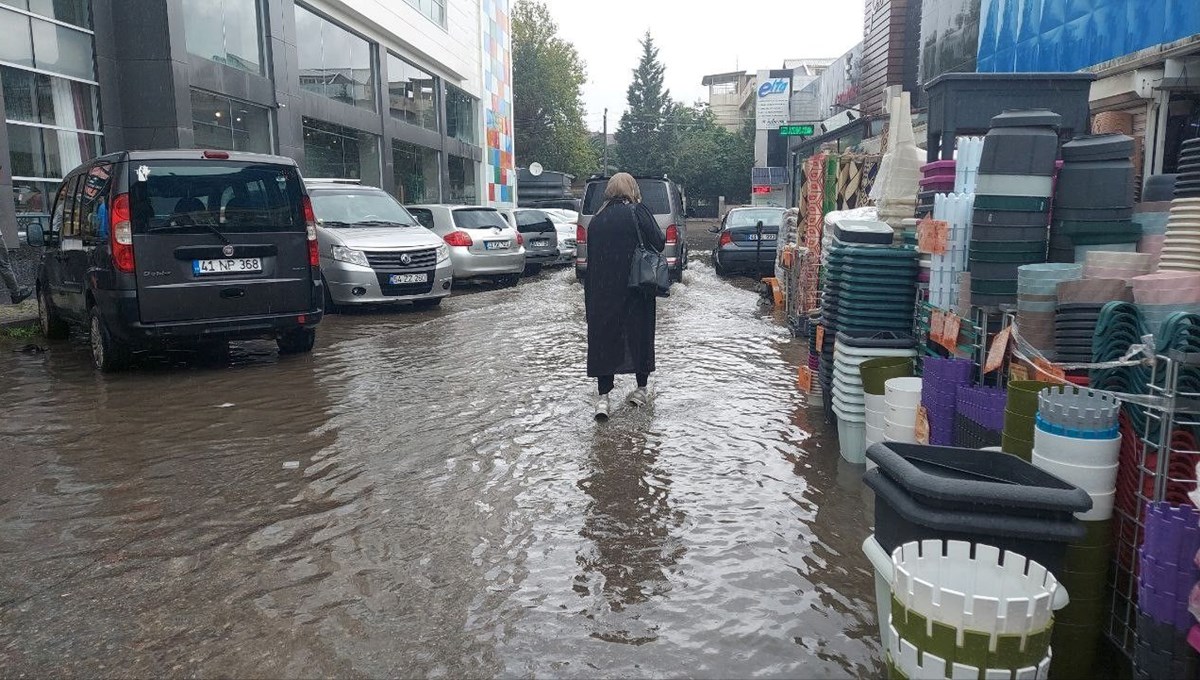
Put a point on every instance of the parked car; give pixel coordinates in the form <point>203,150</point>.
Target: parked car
<point>662,197</point>
<point>373,251</point>
<point>746,241</point>
<point>541,238</point>
<point>565,223</point>
<point>148,248</point>
<point>482,243</point>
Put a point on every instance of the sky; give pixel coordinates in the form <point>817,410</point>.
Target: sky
<point>695,41</point>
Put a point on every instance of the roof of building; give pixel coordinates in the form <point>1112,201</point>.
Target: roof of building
<point>723,77</point>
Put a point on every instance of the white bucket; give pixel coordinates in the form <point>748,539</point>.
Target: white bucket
<point>1098,480</point>
<point>883,584</point>
<point>894,432</point>
<point>852,441</point>
<point>903,392</point>
<point>875,402</point>
<point>1102,507</point>
<point>875,434</point>
<point>1072,451</point>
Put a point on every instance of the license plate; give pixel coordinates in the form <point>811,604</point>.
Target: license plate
<point>496,245</point>
<point>540,243</point>
<point>765,237</point>
<point>400,279</point>
<point>770,237</point>
<point>240,265</point>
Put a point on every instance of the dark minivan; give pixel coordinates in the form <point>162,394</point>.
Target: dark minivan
<point>180,247</point>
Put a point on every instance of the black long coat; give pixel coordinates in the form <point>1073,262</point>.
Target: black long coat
<point>620,321</point>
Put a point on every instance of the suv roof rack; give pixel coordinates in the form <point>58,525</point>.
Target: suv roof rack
<point>331,180</point>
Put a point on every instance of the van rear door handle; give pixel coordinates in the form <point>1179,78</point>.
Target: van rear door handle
<point>230,293</point>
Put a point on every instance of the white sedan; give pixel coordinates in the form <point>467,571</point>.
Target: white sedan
<point>565,222</point>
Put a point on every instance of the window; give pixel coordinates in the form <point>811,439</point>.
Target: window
<point>462,116</point>
<point>334,62</point>
<point>224,123</point>
<point>71,212</point>
<point>38,98</point>
<point>93,199</point>
<point>41,153</point>
<point>462,181</point>
<point>340,152</point>
<point>435,10</point>
<point>350,207</point>
<point>417,170</point>
<point>67,11</point>
<point>227,195</point>
<point>224,31</point>
<point>424,216</point>
<point>45,45</point>
<point>411,94</point>
<point>479,218</point>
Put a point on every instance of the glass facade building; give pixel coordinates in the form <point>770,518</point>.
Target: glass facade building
<point>347,91</point>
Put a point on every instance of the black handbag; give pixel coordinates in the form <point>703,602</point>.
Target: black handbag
<point>648,272</point>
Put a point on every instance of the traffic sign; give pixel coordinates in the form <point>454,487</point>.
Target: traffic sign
<point>796,130</point>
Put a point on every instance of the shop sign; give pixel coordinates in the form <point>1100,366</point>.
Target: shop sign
<point>774,101</point>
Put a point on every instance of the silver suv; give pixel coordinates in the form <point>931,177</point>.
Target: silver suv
<point>663,197</point>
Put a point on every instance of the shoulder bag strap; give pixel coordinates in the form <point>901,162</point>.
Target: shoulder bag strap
<point>637,226</point>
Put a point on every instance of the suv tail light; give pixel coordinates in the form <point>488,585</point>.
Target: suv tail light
<point>580,234</point>
<point>310,223</point>
<point>121,234</point>
<point>726,238</point>
<point>460,239</point>
<point>672,235</point>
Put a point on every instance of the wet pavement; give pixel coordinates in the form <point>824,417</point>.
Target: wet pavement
<point>427,495</point>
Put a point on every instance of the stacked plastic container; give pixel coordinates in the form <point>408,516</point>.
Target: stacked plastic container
<point>1160,295</point>
<point>969,152</point>
<point>875,374</point>
<point>958,616</point>
<point>936,178</point>
<point>1077,313</point>
<point>1037,301</point>
<point>1093,202</point>
<point>941,380</point>
<point>1012,202</point>
<point>979,417</point>
<point>1153,214</point>
<point>850,401</point>
<point>1020,417</point>
<point>1167,573</point>
<point>1077,440</point>
<point>946,269</point>
<point>1181,248</point>
<point>902,399</point>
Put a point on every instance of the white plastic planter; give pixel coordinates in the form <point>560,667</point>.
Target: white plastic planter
<point>895,432</point>
<point>925,666</point>
<point>1072,451</point>
<point>852,441</point>
<point>903,392</point>
<point>1092,479</point>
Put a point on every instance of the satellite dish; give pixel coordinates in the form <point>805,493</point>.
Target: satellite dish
<point>536,169</point>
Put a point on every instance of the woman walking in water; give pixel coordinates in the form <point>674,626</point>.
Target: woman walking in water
<point>620,319</point>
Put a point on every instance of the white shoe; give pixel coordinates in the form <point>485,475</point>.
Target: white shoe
<point>639,397</point>
<point>602,407</point>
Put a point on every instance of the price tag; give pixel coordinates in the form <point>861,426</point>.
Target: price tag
<point>1049,370</point>
<point>805,380</point>
<point>1018,371</point>
<point>952,326</point>
<point>937,326</point>
<point>820,338</point>
<point>998,350</point>
<point>933,236</point>
<point>922,426</point>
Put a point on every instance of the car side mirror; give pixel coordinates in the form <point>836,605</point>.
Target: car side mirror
<point>715,229</point>
<point>35,235</point>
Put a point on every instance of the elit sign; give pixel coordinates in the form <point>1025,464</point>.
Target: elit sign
<point>774,101</point>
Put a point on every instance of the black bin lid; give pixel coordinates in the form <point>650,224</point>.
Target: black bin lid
<point>1027,118</point>
<point>1098,147</point>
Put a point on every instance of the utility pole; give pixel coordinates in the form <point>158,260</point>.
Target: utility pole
<point>604,170</point>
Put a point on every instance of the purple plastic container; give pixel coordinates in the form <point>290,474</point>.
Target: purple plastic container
<point>1167,568</point>
<point>942,379</point>
<point>983,406</point>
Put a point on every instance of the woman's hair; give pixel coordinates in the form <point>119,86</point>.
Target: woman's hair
<point>622,186</point>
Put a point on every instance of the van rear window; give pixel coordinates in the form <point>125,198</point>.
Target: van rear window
<point>654,196</point>
<point>229,196</point>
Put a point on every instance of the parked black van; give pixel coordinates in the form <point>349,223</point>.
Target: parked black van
<point>192,247</point>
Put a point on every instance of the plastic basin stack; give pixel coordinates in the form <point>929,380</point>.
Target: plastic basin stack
<point>1077,440</point>
<point>1078,312</point>
<point>942,379</point>
<point>850,400</point>
<point>1154,213</point>
<point>979,417</point>
<point>936,178</point>
<point>983,497</point>
<point>1093,203</point>
<point>1159,296</point>
<point>875,374</point>
<point>869,286</point>
<point>1181,248</point>
<point>1119,327</point>
<point>946,269</point>
<point>1037,301</point>
<point>1020,417</point>
<point>1166,575</point>
<point>1012,202</point>
<point>902,400</point>
<point>958,616</point>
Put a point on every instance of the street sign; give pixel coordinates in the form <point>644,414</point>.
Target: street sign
<point>796,130</point>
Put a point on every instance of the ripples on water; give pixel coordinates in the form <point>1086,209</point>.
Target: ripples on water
<point>455,512</point>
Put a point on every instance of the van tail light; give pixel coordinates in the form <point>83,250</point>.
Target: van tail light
<point>310,225</point>
<point>672,235</point>
<point>121,234</point>
<point>580,235</point>
<point>726,238</point>
<point>459,239</point>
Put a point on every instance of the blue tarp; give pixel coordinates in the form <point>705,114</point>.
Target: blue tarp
<point>1068,35</point>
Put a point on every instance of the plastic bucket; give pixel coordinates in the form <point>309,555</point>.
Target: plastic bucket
<point>876,372</point>
<point>1073,451</point>
<point>903,392</point>
<point>1092,479</point>
<point>1102,507</point>
<point>852,441</point>
<point>896,432</point>
<point>875,402</point>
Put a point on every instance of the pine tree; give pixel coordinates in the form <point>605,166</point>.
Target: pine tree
<point>642,145</point>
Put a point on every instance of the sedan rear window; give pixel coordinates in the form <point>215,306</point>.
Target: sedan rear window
<point>479,218</point>
<point>227,196</point>
<point>751,218</point>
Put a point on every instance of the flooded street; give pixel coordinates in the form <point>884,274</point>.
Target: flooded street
<point>427,495</point>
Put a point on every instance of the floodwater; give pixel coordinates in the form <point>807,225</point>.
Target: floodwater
<point>428,495</point>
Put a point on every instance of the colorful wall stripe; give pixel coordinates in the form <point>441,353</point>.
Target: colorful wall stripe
<point>500,171</point>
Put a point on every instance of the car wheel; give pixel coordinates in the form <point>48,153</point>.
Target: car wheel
<point>721,270</point>
<point>331,307</point>
<point>510,280</point>
<point>677,274</point>
<point>533,269</point>
<point>53,327</point>
<point>214,353</point>
<point>299,341</point>
<point>428,304</point>
<point>108,355</point>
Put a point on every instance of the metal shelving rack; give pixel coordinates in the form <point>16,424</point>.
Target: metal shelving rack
<point>1169,411</point>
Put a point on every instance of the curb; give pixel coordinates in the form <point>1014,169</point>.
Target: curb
<point>20,322</point>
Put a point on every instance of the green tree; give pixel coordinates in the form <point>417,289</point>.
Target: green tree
<point>642,141</point>
<point>708,160</point>
<point>548,113</point>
